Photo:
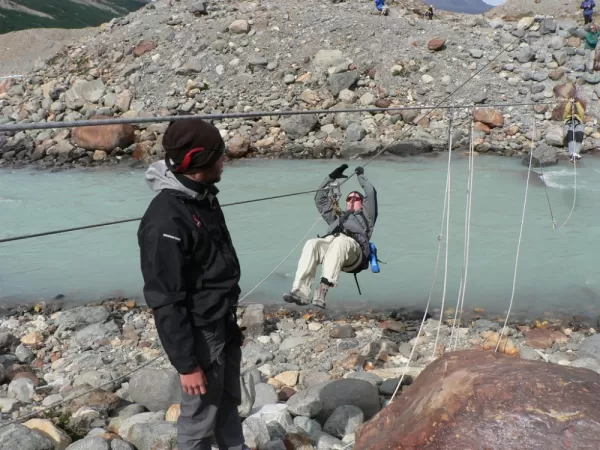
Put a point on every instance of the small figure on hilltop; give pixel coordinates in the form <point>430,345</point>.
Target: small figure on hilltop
<point>574,119</point>
<point>345,246</point>
<point>588,10</point>
<point>381,7</point>
<point>429,12</point>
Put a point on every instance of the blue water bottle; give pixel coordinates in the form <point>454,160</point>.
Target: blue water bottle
<point>373,258</point>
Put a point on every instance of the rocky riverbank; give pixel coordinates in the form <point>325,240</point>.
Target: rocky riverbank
<point>310,381</point>
<point>281,55</point>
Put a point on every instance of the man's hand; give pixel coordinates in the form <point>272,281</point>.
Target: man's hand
<point>194,383</point>
<point>359,170</point>
<point>339,172</point>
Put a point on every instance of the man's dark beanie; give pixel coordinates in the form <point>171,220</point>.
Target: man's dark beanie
<point>185,136</point>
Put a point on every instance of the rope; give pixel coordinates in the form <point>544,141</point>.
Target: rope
<point>248,115</point>
<point>282,261</point>
<point>574,195</point>
<point>447,237</point>
<point>574,189</point>
<point>465,270</point>
<point>446,205</point>
<point>116,222</point>
<point>512,296</point>
<point>544,181</point>
<point>435,272</point>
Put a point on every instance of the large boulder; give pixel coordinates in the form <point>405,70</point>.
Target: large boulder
<point>103,137</point>
<point>543,156</point>
<point>491,117</point>
<point>155,389</point>
<point>300,125</point>
<point>321,400</point>
<point>472,399</point>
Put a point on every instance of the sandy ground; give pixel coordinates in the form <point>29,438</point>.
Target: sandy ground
<point>20,50</point>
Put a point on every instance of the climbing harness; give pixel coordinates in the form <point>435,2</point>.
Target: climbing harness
<point>335,194</point>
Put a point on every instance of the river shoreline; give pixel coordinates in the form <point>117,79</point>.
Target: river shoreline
<point>109,353</point>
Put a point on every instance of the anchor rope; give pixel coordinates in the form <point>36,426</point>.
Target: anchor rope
<point>435,273</point>
<point>450,128</point>
<point>465,270</point>
<point>514,284</point>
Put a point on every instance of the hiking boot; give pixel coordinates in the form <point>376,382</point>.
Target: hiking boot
<point>296,297</point>
<point>320,294</point>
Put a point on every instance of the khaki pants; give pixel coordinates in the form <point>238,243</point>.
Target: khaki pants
<point>335,253</point>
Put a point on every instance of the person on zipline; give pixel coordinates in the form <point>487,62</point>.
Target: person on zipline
<point>344,247</point>
<point>574,119</point>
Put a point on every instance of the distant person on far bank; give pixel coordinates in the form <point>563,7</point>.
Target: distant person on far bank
<point>191,275</point>
<point>588,10</point>
<point>429,12</point>
<point>381,7</point>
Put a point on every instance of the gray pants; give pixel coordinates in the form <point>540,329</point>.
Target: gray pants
<point>215,412</point>
<point>574,136</point>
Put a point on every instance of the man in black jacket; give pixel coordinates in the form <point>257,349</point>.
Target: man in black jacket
<point>191,274</point>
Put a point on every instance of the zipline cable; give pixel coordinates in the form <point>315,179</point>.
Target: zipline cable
<point>25,126</point>
<point>135,219</point>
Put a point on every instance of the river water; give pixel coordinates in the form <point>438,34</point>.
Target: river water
<point>557,269</point>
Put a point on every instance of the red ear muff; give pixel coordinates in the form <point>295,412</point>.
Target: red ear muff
<point>188,159</point>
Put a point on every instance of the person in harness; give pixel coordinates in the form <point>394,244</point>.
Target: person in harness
<point>574,117</point>
<point>345,246</point>
<point>588,10</point>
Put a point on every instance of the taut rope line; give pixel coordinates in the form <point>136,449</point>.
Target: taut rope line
<point>465,270</point>
<point>514,284</point>
<point>447,235</point>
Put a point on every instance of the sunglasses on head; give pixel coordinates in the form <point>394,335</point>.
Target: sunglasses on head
<point>353,198</point>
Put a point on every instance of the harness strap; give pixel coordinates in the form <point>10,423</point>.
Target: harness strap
<point>357,285</point>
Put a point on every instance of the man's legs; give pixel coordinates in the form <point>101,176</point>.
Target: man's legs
<point>228,431</point>
<point>578,140</point>
<point>343,252</point>
<point>216,411</point>
<point>312,255</point>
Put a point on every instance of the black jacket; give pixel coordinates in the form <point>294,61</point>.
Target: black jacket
<point>190,269</point>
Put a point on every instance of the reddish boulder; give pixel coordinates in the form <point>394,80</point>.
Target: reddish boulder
<point>544,337</point>
<point>490,117</point>
<point>436,44</point>
<point>144,47</point>
<point>470,399</point>
<point>103,137</point>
